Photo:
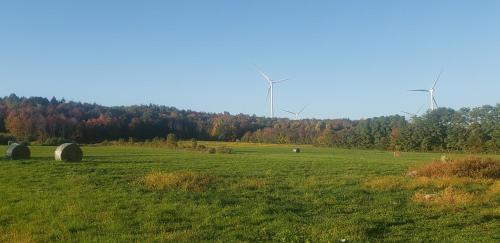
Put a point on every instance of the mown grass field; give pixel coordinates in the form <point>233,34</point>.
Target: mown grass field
<point>258,193</point>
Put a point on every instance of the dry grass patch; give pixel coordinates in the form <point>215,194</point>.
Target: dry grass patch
<point>493,193</point>
<point>184,181</point>
<point>385,183</point>
<point>15,236</point>
<point>449,198</point>
<point>250,184</point>
<point>470,167</point>
<point>443,182</point>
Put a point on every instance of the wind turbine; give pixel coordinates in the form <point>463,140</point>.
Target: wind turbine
<point>434,104</point>
<point>296,113</point>
<point>270,90</point>
<point>414,114</point>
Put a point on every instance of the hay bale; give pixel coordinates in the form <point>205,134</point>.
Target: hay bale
<point>69,152</point>
<point>18,151</point>
<point>296,150</point>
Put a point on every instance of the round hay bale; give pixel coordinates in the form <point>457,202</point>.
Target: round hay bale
<point>296,150</point>
<point>69,152</point>
<point>18,151</point>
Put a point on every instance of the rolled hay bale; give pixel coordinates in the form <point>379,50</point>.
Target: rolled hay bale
<point>69,152</point>
<point>296,150</point>
<point>18,151</point>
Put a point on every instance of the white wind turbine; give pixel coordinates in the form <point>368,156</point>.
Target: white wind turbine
<point>270,91</point>
<point>414,114</point>
<point>431,92</point>
<point>296,113</point>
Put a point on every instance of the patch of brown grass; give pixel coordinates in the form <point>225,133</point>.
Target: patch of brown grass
<point>493,193</point>
<point>442,182</point>
<point>470,167</point>
<point>385,183</point>
<point>449,197</point>
<point>15,236</point>
<point>183,180</point>
<point>250,184</point>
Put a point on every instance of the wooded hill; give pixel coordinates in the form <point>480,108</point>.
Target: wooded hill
<point>43,120</point>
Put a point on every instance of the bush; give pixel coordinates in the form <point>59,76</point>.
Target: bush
<point>470,167</point>
<point>55,141</point>
<point>224,150</point>
<point>212,150</point>
<point>6,137</point>
<point>171,140</point>
<point>194,143</point>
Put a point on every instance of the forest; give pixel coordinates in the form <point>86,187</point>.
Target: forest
<point>42,120</point>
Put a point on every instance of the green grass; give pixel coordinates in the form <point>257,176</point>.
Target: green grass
<point>259,193</point>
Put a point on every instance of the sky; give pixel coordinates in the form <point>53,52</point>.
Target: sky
<point>345,59</point>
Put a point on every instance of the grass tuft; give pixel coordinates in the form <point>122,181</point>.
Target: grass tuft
<point>184,181</point>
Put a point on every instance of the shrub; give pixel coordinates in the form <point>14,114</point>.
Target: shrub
<point>171,140</point>
<point>194,143</point>
<point>185,181</point>
<point>6,137</point>
<point>55,141</point>
<point>212,150</point>
<point>470,167</point>
<point>223,150</point>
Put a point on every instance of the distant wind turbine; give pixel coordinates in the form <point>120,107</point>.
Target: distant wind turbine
<point>414,114</point>
<point>296,113</point>
<point>270,91</point>
<point>434,104</point>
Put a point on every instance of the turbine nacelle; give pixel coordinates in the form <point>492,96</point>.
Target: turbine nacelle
<point>270,89</point>
<point>433,102</point>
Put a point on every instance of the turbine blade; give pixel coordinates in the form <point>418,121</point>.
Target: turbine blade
<point>303,108</point>
<point>268,94</point>
<point>265,76</point>
<point>434,100</point>
<point>423,90</point>
<point>437,79</point>
<point>289,112</point>
<point>408,113</point>
<point>281,80</point>
<point>419,109</point>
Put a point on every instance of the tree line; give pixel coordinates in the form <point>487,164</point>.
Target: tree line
<point>444,129</point>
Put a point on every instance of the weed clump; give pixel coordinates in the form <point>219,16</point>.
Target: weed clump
<point>184,181</point>
<point>471,167</point>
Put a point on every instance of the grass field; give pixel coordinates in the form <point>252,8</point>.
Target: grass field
<point>258,193</point>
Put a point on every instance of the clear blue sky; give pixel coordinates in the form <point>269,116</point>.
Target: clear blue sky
<point>345,58</point>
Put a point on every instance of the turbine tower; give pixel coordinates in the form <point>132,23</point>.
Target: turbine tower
<point>296,113</point>
<point>434,104</point>
<point>270,91</point>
